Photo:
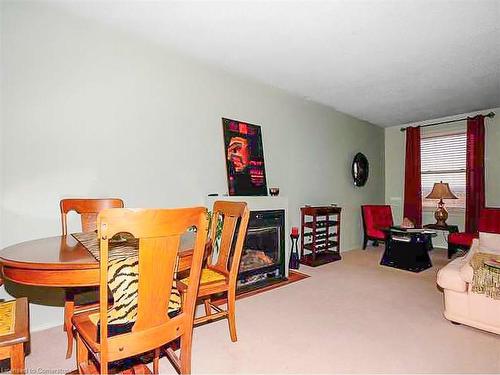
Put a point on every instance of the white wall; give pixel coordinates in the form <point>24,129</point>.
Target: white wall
<point>1,118</point>
<point>89,111</point>
<point>394,166</point>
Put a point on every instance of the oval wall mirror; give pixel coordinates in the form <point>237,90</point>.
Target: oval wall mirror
<point>360,169</point>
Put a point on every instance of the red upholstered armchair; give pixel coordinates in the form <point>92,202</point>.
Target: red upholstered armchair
<point>375,217</point>
<point>488,222</point>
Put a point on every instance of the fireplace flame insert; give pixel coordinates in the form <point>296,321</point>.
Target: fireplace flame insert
<point>263,257</point>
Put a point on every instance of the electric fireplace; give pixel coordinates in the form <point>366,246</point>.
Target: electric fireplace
<point>263,257</point>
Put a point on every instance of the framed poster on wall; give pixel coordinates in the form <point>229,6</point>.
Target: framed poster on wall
<point>246,173</point>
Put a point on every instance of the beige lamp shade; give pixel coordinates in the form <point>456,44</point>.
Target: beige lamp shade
<point>441,190</point>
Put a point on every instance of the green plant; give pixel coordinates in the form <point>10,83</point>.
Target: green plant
<point>218,231</point>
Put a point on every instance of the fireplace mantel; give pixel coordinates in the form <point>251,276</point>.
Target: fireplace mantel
<point>261,204</point>
<point>254,203</point>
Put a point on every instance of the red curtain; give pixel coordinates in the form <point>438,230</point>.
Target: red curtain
<point>475,195</point>
<point>413,185</point>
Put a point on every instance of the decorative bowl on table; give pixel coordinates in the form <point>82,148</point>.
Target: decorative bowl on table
<point>493,263</point>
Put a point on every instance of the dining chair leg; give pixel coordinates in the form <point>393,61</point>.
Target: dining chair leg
<point>69,309</point>
<point>103,367</point>
<point>185,354</point>
<point>208,308</point>
<point>156,361</point>
<point>82,353</point>
<point>17,359</point>
<point>231,318</point>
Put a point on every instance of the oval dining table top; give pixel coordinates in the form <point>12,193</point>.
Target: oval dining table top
<point>59,252</point>
<point>63,252</point>
<point>35,262</point>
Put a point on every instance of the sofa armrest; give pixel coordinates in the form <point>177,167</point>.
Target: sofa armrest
<point>449,276</point>
<point>466,271</point>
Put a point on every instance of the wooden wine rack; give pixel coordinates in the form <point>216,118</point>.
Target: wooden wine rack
<point>320,235</point>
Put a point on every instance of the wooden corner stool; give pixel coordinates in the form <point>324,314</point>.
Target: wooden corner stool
<point>14,332</point>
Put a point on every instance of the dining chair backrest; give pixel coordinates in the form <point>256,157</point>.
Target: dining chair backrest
<point>159,234</point>
<point>234,216</point>
<point>88,209</point>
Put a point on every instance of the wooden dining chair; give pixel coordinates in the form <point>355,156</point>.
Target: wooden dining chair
<point>14,332</point>
<point>221,273</point>
<point>146,285</point>
<point>88,209</point>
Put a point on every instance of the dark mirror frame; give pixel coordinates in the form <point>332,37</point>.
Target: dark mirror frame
<point>360,169</point>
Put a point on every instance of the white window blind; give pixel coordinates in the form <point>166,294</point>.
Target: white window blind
<point>444,159</point>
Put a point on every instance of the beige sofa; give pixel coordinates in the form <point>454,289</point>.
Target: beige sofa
<point>460,304</point>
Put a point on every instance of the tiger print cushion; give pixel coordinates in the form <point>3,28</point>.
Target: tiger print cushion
<point>123,281</point>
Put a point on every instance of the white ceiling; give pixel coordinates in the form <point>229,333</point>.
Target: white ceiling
<point>387,62</point>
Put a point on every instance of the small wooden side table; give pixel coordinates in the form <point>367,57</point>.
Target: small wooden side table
<point>447,228</point>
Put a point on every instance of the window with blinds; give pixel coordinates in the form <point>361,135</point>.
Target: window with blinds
<point>443,159</point>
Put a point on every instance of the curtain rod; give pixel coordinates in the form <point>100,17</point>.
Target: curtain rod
<point>490,115</point>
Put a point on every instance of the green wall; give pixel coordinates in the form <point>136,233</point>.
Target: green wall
<point>91,111</point>
<point>394,166</point>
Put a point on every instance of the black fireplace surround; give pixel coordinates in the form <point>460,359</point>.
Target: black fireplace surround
<point>263,258</point>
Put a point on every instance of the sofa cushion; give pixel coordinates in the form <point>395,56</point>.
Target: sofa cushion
<point>489,243</point>
<point>449,276</point>
<point>461,238</point>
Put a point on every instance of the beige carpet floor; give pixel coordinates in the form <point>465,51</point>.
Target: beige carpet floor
<point>352,316</point>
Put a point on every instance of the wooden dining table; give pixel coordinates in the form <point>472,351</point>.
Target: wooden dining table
<point>62,261</point>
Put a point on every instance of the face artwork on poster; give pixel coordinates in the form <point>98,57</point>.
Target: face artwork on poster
<point>244,158</point>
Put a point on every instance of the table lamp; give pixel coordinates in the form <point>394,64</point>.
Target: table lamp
<point>441,190</point>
